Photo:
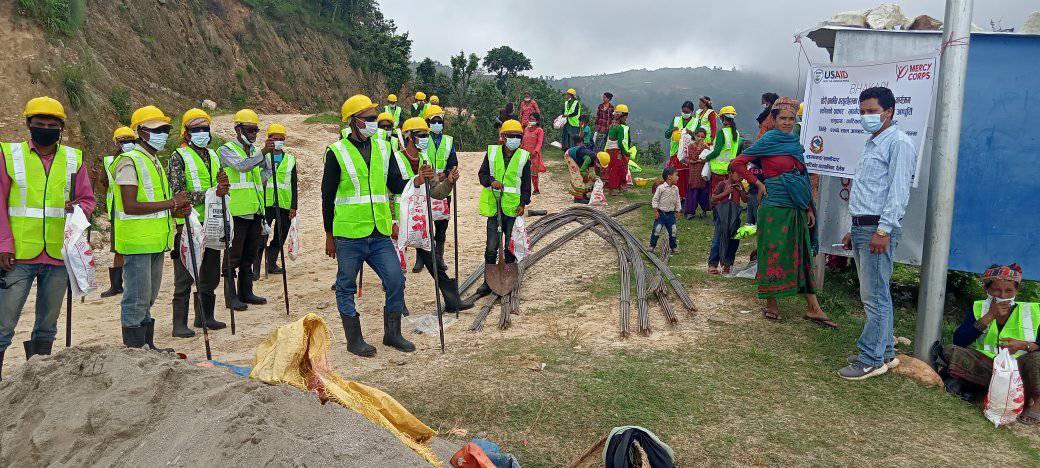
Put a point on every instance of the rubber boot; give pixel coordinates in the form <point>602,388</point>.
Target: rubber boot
<point>2,365</point>
<point>231,299</point>
<point>149,336</point>
<point>43,347</point>
<point>483,290</point>
<point>419,263</point>
<point>208,307</point>
<point>355,341</point>
<point>392,336</point>
<point>134,337</point>
<point>245,289</point>
<point>452,301</point>
<point>115,279</point>
<point>272,263</point>
<point>180,322</point>
<point>29,351</point>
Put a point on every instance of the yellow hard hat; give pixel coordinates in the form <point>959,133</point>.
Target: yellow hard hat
<point>435,100</point>
<point>572,92</point>
<point>434,110</point>
<point>123,132</point>
<point>391,98</point>
<point>677,135</point>
<point>276,129</point>
<point>413,124</point>
<point>385,117</point>
<point>604,158</point>
<point>246,116</point>
<point>728,110</point>
<point>44,106</point>
<point>801,108</point>
<point>621,109</point>
<point>147,114</point>
<point>511,126</point>
<point>420,96</point>
<point>193,114</point>
<point>355,104</point>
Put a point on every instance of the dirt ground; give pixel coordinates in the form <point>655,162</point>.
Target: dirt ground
<point>555,298</point>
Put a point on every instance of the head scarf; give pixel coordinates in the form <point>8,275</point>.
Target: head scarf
<point>786,103</point>
<point>1011,272</point>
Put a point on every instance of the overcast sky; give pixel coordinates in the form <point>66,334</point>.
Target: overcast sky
<point>582,37</point>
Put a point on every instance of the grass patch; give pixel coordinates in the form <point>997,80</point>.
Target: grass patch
<point>58,17</point>
<point>119,97</point>
<point>74,81</point>
<point>323,118</point>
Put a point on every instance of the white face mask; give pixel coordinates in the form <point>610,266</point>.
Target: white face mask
<point>158,140</point>
<point>127,147</point>
<point>686,115</point>
<point>512,143</point>
<point>245,140</point>
<point>370,129</point>
<point>200,139</point>
<point>1001,301</point>
<point>278,145</point>
<point>527,99</point>
<point>422,143</point>
<point>437,127</point>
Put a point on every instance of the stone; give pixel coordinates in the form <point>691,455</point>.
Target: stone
<point>887,16</point>
<point>209,105</point>
<point>917,370</point>
<point>1032,24</point>
<point>855,19</point>
<point>925,23</point>
<point>903,341</point>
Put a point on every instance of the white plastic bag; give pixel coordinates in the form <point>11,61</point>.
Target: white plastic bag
<point>293,238</point>
<point>1006,397</point>
<point>559,122</point>
<point>441,209</point>
<point>216,219</point>
<point>414,228</point>
<point>265,229</point>
<point>596,197</point>
<point>198,240</point>
<point>706,172</point>
<point>684,147</point>
<point>519,244</point>
<point>79,257</point>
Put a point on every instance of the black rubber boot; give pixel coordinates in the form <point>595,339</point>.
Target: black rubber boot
<point>149,336</point>
<point>180,322</point>
<point>208,307</point>
<point>29,349</point>
<point>43,348</point>
<point>115,279</point>
<point>452,301</point>
<point>134,337</point>
<point>245,289</point>
<point>392,336</point>
<point>2,365</point>
<point>272,263</point>
<point>419,263</point>
<point>231,299</point>
<point>483,290</point>
<point>355,341</point>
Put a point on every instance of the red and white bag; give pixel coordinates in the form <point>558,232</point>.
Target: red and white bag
<point>596,197</point>
<point>519,243</point>
<point>684,147</point>
<point>414,228</point>
<point>198,240</point>
<point>1007,396</point>
<point>558,123</point>
<point>294,239</point>
<point>79,257</point>
<point>441,209</point>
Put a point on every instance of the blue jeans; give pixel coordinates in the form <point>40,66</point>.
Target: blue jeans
<point>665,221</point>
<point>569,132</point>
<point>51,284</point>
<point>142,278</point>
<point>380,254</point>
<point>876,343</point>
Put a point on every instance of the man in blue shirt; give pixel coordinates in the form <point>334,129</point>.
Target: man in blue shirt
<point>877,202</point>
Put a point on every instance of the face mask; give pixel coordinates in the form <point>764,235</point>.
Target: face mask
<point>369,129</point>
<point>686,115</point>
<point>278,145</point>
<point>158,140</point>
<point>45,136</point>
<point>200,139</point>
<point>245,140</point>
<point>999,300</point>
<point>437,127</point>
<point>512,143</point>
<point>765,105</point>
<point>422,143</point>
<point>527,99</point>
<point>127,147</point>
<point>871,122</point>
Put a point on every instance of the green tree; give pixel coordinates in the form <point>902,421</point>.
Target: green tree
<point>505,62</point>
<point>549,100</point>
<point>425,74</point>
<point>462,70</point>
<point>487,100</point>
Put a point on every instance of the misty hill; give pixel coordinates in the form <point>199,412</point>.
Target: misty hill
<point>655,96</point>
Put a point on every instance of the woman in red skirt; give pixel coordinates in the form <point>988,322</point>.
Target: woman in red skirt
<point>619,146</point>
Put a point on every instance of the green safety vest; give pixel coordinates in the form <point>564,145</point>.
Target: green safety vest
<point>701,120</point>
<point>198,177</point>
<point>677,123</point>
<point>246,189</point>
<point>394,111</point>
<point>416,112</point>
<point>572,106</point>
<point>36,202</point>
<point>1022,325</point>
<point>405,168</point>
<point>106,163</point>
<point>149,233</point>
<point>439,153</point>
<point>511,180</point>
<point>720,165</point>
<point>362,204</point>
<point>390,137</point>
<point>283,173</point>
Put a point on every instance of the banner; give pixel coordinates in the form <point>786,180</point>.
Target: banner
<point>831,131</point>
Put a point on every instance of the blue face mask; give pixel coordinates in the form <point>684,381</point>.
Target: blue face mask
<point>158,140</point>
<point>127,147</point>
<point>200,139</point>
<point>871,122</point>
<point>437,127</point>
<point>512,143</point>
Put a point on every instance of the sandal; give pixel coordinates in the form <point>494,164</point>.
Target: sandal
<point>770,315</point>
<point>713,270</point>
<point>822,321</point>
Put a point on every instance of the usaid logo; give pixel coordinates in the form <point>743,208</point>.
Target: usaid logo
<point>820,75</point>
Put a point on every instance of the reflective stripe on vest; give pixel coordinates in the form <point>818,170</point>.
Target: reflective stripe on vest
<point>148,233</point>
<point>701,120</point>
<point>405,169</point>
<point>395,112</point>
<point>197,176</point>
<point>511,178</point>
<point>106,163</point>
<point>36,201</point>
<point>283,172</point>
<point>440,153</point>
<point>1021,325</point>
<point>246,191</point>
<point>570,107</point>
<point>362,204</point>
<point>720,165</point>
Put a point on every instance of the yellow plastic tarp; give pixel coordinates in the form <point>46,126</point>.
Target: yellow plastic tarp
<point>296,354</point>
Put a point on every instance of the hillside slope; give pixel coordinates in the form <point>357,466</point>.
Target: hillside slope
<point>173,54</point>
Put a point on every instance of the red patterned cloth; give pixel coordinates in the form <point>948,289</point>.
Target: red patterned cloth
<point>617,170</point>
<point>604,117</point>
<point>1011,272</point>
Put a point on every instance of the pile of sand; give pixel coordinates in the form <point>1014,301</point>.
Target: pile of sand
<point>117,406</point>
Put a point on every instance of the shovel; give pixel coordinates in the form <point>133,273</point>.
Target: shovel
<point>501,277</point>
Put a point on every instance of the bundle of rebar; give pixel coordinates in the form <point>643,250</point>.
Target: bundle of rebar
<point>654,280</point>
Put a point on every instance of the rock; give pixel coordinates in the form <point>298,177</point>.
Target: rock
<point>917,370</point>
<point>209,105</point>
<point>855,19</point>
<point>1032,24</point>
<point>925,23</point>
<point>322,305</point>
<point>903,341</point>
<point>887,16</point>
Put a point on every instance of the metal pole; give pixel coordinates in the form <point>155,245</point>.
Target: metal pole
<point>942,181</point>
<point>195,282</point>
<point>278,234</point>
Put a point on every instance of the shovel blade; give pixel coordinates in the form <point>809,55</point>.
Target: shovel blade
<point>502,278</point>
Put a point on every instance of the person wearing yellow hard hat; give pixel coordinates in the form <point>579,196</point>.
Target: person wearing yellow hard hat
<point>419,106</point>
<point>281,195</point>
<point>35,179</point>
<point>194,169</point>
<point>387,130</point>
<point>247,170</point>
<point>358,179</point>
<point>124,140</point>
<point>145,207</point>
<point>434,100</point>
<point>572,110</point>
<point>393,109</point>
<point>619,146</point>
<point>505,175</point>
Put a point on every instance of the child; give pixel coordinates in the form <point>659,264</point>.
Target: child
<point>726,207</point>
<point>697,185</point>
<point>585,131</point>
<point>666,203</point>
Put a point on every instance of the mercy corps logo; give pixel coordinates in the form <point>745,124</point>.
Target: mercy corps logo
<point>914,71</point>
<point>820,75</point>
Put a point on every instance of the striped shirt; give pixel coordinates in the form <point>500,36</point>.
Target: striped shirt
<point>883,178</point>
